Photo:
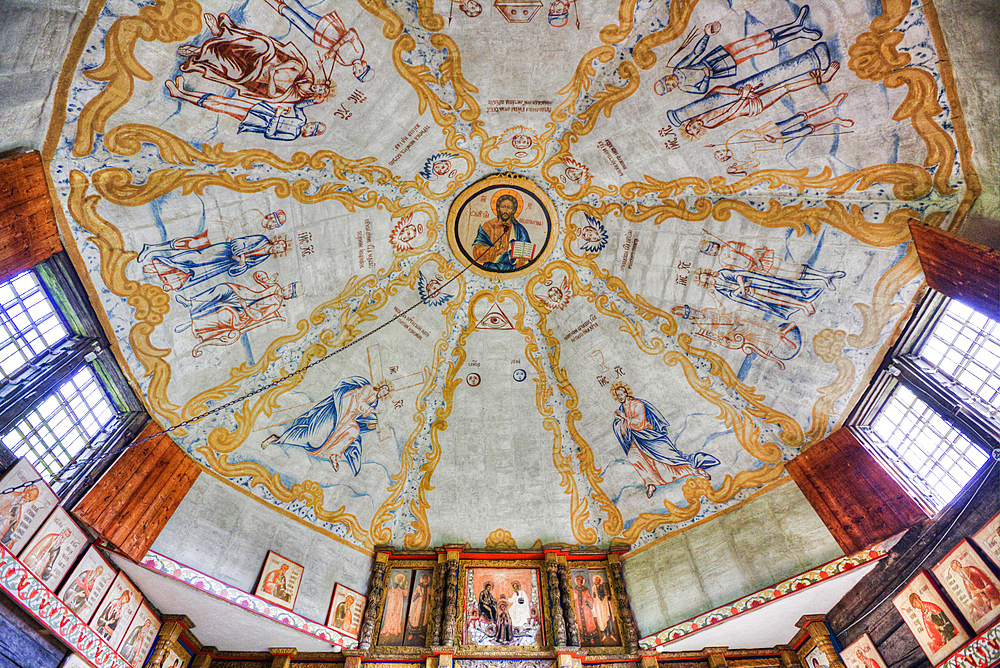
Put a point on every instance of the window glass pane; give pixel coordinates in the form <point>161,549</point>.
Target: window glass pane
<point>936,456</point>
<point>54,432</point>
<point>28,323</point>
<point>965,346</point>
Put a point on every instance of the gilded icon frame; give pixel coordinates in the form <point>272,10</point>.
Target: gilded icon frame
<point>468,204</point>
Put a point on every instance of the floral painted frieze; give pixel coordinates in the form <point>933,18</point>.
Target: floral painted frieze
<point>780,590</point>
<point>980,652</point>
<point>172,569</point>
<point>24,587</point>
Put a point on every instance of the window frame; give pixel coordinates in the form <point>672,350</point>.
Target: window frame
<point>86,345</point>
<point>902,366</point>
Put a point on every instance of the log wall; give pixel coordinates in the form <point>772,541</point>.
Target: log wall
<point>27,222</point>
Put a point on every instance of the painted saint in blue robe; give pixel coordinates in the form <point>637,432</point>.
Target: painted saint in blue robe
<point>501,258</point>
<point>776,295</point>
<point>642,432</point>
<point>332,428</point>
<point>187,261</point>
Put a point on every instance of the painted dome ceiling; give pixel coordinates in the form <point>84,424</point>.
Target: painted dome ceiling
<point>600,269</point>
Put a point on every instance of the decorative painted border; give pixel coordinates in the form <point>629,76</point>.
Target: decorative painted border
<point>504,663</point>
<point>172,569</point>
<point>981,652</point>
<point>41,603</point>
<point>751,601</point>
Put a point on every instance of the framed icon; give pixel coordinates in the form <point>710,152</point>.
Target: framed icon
<point>25,502</point>
<point>862,653</point>
<point>87,584</point>
<point>346,608</point>
<point>930,619</point>
<point>139,637</point>
<point>595,607</point>
<point>502,226</point>
<point>970,585</point>
<point>988,539</point>
<point>116,611</point>
<point>54,549</point>
<point>503,607</point>
<point>816,658</point>
<point>279,581</point>
<point>407,607</point>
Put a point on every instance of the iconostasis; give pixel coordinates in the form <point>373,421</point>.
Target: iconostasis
<point>602,268</point>
<point>497,603</point>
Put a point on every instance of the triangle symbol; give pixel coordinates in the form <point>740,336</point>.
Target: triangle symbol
<point>495,318</point>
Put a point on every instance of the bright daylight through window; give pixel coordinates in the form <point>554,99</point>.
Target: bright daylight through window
<point>931,414</point>
<point>63,400</point>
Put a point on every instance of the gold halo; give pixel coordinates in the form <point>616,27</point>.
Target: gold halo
<point>521,189</point>
<point>620,386</point>
<point>513,193</point>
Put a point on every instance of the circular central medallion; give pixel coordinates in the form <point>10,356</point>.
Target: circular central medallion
<point>502,226</point>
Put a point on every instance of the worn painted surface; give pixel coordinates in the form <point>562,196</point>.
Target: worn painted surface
<point>402,438</point>
<point>769,539</point>
<point>37,36</point>
<point>226,535</point>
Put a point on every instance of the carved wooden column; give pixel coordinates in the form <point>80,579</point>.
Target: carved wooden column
<point>203,659</point>
<point>556,614</point>
<point>572,631</point>
<point>820,634</point>
<point>437,619</point>
<point>569,660</point>
<point>788,657</point>
<point>624,603</point>
<point>649,660</point>
<point>452,553</point>
<point>281,657</point>
<point>352,658</point>
<point>716,657</point>
<point>170,631</point>
<point>374,596</point>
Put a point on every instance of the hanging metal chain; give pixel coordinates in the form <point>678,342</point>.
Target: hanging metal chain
<point>21,486</point>
<point>263,388</point>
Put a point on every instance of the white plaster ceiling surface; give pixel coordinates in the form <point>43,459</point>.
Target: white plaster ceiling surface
<point>734,248</point>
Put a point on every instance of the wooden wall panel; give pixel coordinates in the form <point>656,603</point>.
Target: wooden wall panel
<point>25,643</point>
<point>27,222</point>
<point>868,608</point>
<point>959,269</point>
<point>860,503</point>
<point>133,501</point>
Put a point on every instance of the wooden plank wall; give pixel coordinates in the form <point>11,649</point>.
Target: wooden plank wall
<point>133,501</point>
<point>867,608</point>
<point>27,222</point>
<point>959,269</point>
<point>24,643</point>
<point>860,503</point>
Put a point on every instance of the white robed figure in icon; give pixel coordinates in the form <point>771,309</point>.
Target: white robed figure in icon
<point>332,428</point>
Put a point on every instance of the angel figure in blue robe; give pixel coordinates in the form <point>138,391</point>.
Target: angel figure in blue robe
<point>332,428</point>
<point>779,296</point>
<point>643,435</point>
